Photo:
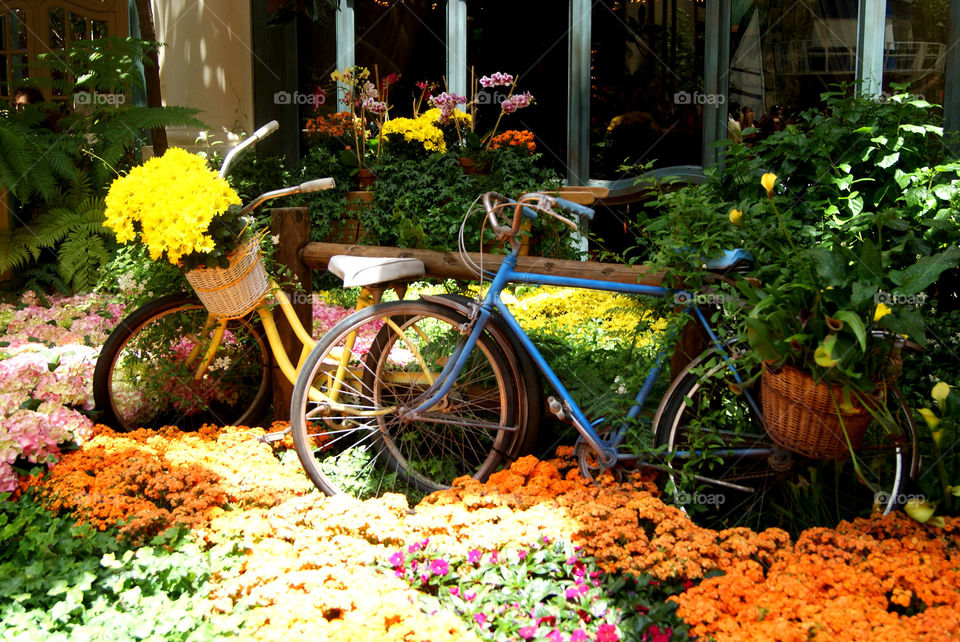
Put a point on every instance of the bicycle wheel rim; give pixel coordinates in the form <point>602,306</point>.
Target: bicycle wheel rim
<point>364,448</point>
<point>148,383</point>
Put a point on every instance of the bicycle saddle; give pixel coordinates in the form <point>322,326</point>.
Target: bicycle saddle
<point>364,270</point>
<point>730,260</point>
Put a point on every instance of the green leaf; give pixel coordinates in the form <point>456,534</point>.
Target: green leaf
<point>889,160</point>
<point>924,272</point>
<point>856,325</point>
<point>829,265</point>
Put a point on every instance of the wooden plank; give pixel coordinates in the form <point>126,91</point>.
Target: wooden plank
<point>447,265</point>
<point>292,224</point>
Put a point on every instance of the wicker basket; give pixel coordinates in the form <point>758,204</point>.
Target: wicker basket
<point>800,415</point>
<point>235,290</point>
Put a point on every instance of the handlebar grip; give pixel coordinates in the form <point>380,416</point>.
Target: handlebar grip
<point>266,130</point>
<point>317,185</point>
<point>576,208</point>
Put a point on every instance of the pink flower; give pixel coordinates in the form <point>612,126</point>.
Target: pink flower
<point>480,619</point>
<point>496,79</point>
<point>469,595</point>
<point>439,567</point>
<point>571,593</point>
<point>578,636</point>
<point>527,632</point>
<point>455,591</point>
<point>396,560</point>
<point>522,554</point>
<point>555,636</point>
<point>607,633</point>
<point>474,556</point>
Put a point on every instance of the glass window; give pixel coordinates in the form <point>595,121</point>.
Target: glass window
<point>647,82</point>
<point>529,41</point>
<point>915,46</point>
<point>317,52</point>
<point>402,37</point>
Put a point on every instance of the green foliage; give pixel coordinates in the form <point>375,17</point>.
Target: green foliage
<point>136,278</point>
<point>69,582</point>
<point>83,149</point>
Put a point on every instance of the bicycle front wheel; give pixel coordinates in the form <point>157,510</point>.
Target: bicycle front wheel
<point>347,412</point>
<point>724,467</point>
<point>149,374</point>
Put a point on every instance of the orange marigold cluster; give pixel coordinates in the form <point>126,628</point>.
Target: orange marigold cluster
<point>882,578</point>
<point>336,125</point>
<point>520,138</point>
<point>151,480</point>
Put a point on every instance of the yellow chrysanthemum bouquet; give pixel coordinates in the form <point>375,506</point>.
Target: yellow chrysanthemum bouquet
<point>179,209</point>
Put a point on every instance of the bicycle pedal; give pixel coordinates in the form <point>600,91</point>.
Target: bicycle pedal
<point>271,437</point>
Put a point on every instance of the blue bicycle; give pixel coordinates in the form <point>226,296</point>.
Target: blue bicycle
<point>406,396</point>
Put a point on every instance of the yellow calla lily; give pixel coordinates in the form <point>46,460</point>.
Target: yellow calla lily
<point>768,180</point>
<point>882,310</point>
<point>735,216</point>
<point>940,393</point>
<point>930,417</point>
<point>919,509</point>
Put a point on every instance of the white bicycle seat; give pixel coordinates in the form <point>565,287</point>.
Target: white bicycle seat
<point>364,270</point>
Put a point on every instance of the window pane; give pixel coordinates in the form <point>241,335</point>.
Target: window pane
<point>99,29</point>
<point>78,27</point>
<point>647,81</point>
<point>3,31</point>
<point>57,28</point>
<point>4,79</point>
<point>529,41</point>
<point>405,38</point>
<point>18,28</point>
<point>915,46</point>
<point>316,50</point>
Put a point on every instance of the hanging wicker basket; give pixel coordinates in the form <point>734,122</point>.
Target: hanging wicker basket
<point>237,289</point>
<point>800,415</point>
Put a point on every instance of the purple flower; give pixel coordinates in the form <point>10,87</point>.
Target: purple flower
<point>396,560</point>
<point>527,632</point>
<point>480,619</point>
<point>374,106</point>
<point>517,101</point>
<point>439,567</point>
<point>474,556</point>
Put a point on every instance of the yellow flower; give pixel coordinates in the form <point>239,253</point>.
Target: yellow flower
<point>882,310</point>
<point>768,180</point>
<point>931,418</point>
<point>940,392</point>
<point>735,216</point>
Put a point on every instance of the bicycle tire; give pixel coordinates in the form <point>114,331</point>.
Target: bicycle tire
<point>149,345</point>
<point>368,455</point>
<point>788,489</point>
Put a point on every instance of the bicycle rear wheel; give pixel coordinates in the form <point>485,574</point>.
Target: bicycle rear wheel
<point>352,437</point>
<point>145,374</point>
<point>723,466</point>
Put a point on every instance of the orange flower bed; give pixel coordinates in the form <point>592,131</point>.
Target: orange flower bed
<point>310,559</point>
<point>883,578</point>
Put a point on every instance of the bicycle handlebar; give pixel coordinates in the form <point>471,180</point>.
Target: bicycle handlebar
<point>317,185</point>
<point>252,139</point>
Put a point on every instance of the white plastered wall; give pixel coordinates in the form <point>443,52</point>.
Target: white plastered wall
<point>206,63</point>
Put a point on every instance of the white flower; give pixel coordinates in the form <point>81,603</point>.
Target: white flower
<point>222,363</point>
<point>275,239</point>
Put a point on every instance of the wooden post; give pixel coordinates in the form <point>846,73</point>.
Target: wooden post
<point>292,225</point>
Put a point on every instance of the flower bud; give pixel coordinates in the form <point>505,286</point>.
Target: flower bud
<point>735,216</point>
<point>768,180</point>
